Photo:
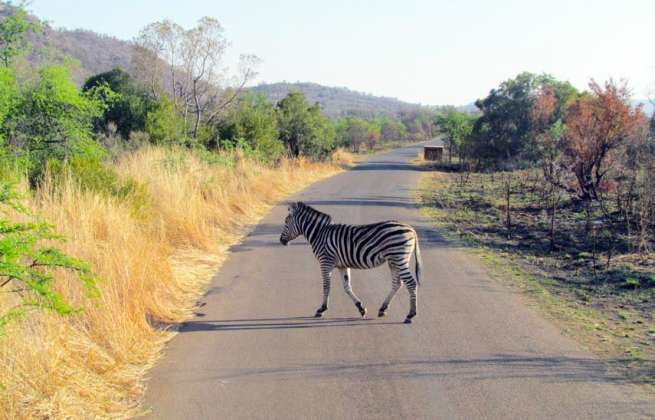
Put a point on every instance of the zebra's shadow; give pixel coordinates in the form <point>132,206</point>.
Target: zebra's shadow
<point>279,323</point>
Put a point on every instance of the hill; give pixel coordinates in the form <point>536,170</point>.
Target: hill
<point>339,101</point>
<point>98,53</point>
<point>95,52</point>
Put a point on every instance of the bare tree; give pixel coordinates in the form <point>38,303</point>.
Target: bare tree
<point>549,133</point>
<point>150,58</point>
<point>197,80</point>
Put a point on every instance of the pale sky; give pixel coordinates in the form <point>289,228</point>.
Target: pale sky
<point>431,52</point>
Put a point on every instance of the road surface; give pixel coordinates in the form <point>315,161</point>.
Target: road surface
<point>475,349</point>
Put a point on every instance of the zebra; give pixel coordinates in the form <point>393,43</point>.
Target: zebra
<point>359,247</point>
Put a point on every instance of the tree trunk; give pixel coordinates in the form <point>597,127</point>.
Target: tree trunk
<point>294,145</point>
<point>552,220</point>
<point>610,247</point>
<point>508,217</point>
<point>198,111</point>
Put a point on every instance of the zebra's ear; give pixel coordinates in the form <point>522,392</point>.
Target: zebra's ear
<point>293,207</point>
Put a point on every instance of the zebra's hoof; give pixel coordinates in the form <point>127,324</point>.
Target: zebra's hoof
<point>318,314</point>
<point>381,314</point>
<point>361,308</point>
<point>408,321</point>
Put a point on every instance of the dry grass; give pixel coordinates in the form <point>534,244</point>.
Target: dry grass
<point>154,253</point>
<point>342,157</point>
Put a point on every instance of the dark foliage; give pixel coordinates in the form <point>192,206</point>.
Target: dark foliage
<point>130,109</point>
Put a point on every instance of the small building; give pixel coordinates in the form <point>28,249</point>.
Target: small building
<point>433,150</point>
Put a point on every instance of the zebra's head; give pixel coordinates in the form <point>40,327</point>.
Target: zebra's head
<point>291,228</point>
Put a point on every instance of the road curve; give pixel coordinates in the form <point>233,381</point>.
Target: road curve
<point>475,350</point>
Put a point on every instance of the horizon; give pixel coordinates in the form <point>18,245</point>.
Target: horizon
<point>569,41</point>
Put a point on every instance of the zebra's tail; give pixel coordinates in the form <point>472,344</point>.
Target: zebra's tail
<point>417,257</point>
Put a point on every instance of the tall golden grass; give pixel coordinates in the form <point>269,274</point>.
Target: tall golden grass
<point>342,157</point>
<point>154,254</point>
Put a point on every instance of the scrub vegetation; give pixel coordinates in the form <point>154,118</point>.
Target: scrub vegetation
<point>558,184</point>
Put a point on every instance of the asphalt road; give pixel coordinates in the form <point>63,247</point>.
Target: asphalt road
<point>475,349</point>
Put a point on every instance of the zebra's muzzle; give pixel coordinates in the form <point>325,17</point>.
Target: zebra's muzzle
<point>284,242</point>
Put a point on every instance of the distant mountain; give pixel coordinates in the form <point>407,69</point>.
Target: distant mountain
<point>99,53</point>
<point>95,52</point>
<point>339,101</point>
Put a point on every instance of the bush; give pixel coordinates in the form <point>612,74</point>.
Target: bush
<point>632,282</point>
<point>164,125</point>
<point>303,129</point>
<point>8,95</point>
<point>28,265</point>
<point>128,111</point>
<point>50,120</point>
<point>250,125</point>
<point>89,170</point>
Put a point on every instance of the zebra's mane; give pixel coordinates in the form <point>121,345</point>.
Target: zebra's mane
<point>325,218</point>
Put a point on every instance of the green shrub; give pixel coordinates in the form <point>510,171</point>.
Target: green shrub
<point>164,125</point>
<point>27,265</point>
<point>250,125</point>
<point>127,108</point>
<point>49,119</point>
<point>89,170</point>
<point>632,282</point>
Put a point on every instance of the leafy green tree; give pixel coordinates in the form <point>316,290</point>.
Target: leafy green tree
<point>373,134</point>
<point>456,127</point>
<point>253,121</point>
<point>52,120</point>
<point>164,125</point>
<point>323,139</point>
<point>355,133</point>
<point>128,109</point>
<point>303,129</point>
<point>505,131</point>
<point>13,35</point>
<point>504,128</point>
<point>8,97</point>
<point>27,266</point>
<point>294,121</point>
<point>392,129</point>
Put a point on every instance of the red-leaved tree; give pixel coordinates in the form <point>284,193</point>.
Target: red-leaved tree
<point>597,126</point>
<point>548,132</point>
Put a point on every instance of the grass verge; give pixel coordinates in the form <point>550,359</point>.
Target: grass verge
<point>154,248</point>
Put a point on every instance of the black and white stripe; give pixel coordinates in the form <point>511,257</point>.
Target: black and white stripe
<point>364,246</point>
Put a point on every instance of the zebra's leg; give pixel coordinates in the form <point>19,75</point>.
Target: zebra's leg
<point>326,274</point>
<point>410,282</point>
<point>395,285</point>
<point>345,274</point>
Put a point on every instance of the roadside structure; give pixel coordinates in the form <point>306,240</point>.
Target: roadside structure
<point>433,150</point>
